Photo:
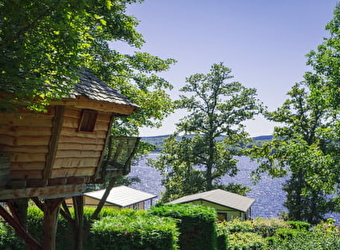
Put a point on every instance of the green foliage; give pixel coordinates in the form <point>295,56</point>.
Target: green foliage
<point>268,227</point>
<point>196,224</point>
<point>8,239</point>
<point>237,226</point>
<point>240,241</point>
<point>299,225</point>
<point>305,241</point>
<point>300,149</point>
<point>115,229</point>
<point>44,43</point>
<point>140,231</point>
<point>194,159</point>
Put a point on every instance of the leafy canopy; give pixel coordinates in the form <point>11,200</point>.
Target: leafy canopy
<point>44,43</point>
<point>203,147</point>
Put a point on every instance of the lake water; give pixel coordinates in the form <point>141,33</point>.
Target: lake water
<point>267,193</point>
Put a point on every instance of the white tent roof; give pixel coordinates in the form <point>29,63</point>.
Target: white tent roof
<point>122,196</point>
<point>220,197</point>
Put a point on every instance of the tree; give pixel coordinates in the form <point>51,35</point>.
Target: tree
<point>44,43</point>
<point>205,151</point>
<point>299,151</point>
<point>325,62</point>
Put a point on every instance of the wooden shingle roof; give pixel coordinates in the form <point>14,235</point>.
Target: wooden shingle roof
<point>122,196</point>
<point>220,197</point>
<point>95,89</point>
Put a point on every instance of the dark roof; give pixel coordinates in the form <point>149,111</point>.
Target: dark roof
<point>220,197</point>
<point>95,89</point>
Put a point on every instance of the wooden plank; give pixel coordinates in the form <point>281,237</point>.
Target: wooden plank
<point>101,126</point>
<point>54,141</point>
<point>74,132</point>
<point>104,116</point>
<point>99,166</point>
<point>79,146</point>
<point>89,141</point>
<point>72,172</point>
<point>28,157</point>
<point>24,174</point>
<point>28,149</point>
<point>77,153</point>
<point>75,162</point>
<point>7,140</point>
<point>32,141</point>
<point>24,131</point>
<point>71,122</point>
<point>30,121</point>
<point>72,112</point>
<point>85,103</point>
<point>53,191</point>
<point>27,166</point>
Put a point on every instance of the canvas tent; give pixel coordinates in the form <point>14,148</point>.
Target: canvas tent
<point>228,205</point>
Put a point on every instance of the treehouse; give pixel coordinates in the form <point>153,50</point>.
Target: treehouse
<point>53,155</point>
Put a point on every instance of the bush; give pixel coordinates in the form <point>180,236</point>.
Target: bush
<point>138,232</point>
<point>238,226</point>
<point>268,227</point>
<point>196,224</point>
<point>305,240</point>
<point>242,241</point>
<point>222,236</point>
<point>8,239</point>
<point>134,229</point>
<point>299,225</point>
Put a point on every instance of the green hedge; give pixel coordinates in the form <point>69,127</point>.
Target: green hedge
<point>116,229</point>
<point>196,224</point>
<point>139,232</point>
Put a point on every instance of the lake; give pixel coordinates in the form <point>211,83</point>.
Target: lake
<point>267,193</point>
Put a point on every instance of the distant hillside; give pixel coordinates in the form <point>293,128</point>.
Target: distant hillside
<point>157,141</point>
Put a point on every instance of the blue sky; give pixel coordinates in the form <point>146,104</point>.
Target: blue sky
<point>264,42</point>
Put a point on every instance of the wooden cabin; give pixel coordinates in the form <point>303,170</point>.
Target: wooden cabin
<point>228,205</point>
<point>59,151</point>
<point>120,197</point>
<point>51,156</point>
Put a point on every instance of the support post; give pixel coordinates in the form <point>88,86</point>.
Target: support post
<point>51,211</point>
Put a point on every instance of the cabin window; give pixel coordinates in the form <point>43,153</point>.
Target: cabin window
<point>88,120</point>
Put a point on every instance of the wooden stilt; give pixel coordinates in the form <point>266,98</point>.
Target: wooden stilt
<point>51,211</point>
<point>14,222</point>
<point>78,202</point>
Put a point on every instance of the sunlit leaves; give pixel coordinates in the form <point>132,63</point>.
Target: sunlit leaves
<point>203,148</point>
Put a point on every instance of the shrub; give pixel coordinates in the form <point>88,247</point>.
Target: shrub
<point>138,232</point>
<point>241,241</point>
<point>8,239</point>
<point>305,240</point>
<point>268,227</point>
<point>299,225</point>
<point>196,224</point>
<point>222,236</point>
<point>238,226</point>
<point>130,226</point>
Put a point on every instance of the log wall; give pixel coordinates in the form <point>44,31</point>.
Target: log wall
<point>78,153</point>
<point>24,139</point>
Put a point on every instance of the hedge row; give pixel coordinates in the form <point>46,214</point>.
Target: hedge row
<point>196,224</point>
<point>165,227</point>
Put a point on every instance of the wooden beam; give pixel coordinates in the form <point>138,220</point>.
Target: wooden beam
<point>49,191</point>
<point>53,144</point>
<point>34,245</point>
<point>49,228</point>
<point>98,169</point>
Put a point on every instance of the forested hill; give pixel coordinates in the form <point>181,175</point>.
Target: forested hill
<point>157,141</point>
